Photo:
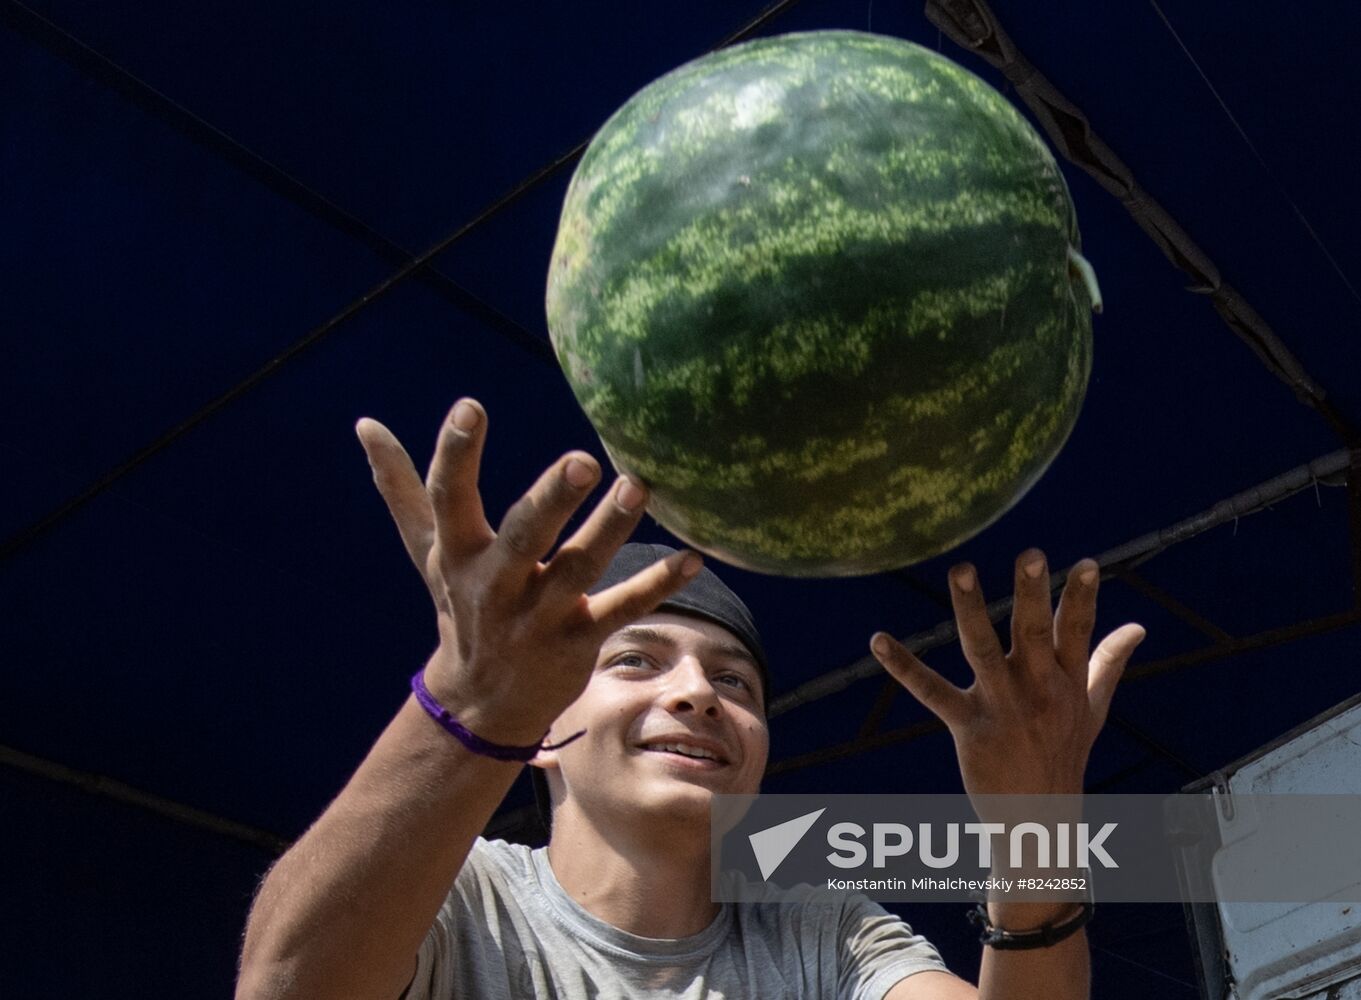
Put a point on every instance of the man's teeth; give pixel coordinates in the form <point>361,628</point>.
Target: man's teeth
<point>686,751</point>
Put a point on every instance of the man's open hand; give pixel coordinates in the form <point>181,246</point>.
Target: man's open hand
<point>518,635</point>
<point>1027,723</point>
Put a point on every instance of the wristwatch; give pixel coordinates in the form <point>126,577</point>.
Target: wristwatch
<point>1040,937</point>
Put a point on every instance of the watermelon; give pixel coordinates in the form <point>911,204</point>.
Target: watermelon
<point>822,293</point>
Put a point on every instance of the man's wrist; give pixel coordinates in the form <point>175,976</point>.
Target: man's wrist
<point>1063,898</point>
<point>1023,915</point>
<point>1044,936</point>
<point>508,726</point>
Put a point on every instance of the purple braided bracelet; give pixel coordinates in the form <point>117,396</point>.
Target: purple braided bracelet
<point>476,744</point>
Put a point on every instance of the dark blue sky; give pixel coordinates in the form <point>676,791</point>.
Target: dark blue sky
<point>188,190</point>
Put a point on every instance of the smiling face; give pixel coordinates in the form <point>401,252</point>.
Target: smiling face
<point>674,713</point>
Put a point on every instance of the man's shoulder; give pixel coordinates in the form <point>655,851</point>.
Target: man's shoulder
<point>502,851</point>
<point>495,868</point>
<point>501,856</point>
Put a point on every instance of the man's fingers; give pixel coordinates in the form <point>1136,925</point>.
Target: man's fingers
<point>1108,666</point>
<point>582,559</point>
<point>452,482</point>
<point>1032,615</point>
<point>400,487</point>
<point>612,609</point>
<point>531,527</point>
<point>1076,617</point>
<point>941,698</point>
<point>977,637</point>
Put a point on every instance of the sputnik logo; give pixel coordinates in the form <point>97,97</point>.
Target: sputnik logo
<point>773,844</point>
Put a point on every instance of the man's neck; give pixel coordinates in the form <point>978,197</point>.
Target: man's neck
<point>653,886</point>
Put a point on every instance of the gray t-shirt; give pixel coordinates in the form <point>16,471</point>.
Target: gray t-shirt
<point>508,929</point>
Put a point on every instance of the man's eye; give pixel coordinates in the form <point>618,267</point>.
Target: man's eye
<point>629,660</point>
<point>735,680</point>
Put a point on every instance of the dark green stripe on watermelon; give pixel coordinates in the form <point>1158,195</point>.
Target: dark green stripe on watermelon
<point>815,291</point>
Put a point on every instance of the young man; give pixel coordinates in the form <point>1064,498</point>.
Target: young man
<point>654,713</point>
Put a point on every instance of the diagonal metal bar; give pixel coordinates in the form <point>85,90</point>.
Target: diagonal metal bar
<point>98,784</point>
<point>914,583</point>
<point>20,16</point>
<point>888,693</point>
<point>1246,644</point>
<point>1156,594</point>
<point>1154,745</point>
<point>890,690</point>
<point>1324,469</point>
<point>765,17</point>
<point>1116,778</point>
<point>850,748</point>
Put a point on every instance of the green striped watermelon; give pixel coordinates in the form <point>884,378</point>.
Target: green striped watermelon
<point>821,293</point>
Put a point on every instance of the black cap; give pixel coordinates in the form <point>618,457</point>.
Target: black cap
<point>706,596</point>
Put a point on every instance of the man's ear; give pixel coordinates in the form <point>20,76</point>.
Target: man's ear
<point>546,759</point>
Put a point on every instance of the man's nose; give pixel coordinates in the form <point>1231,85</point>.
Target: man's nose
<point>690,689</point>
